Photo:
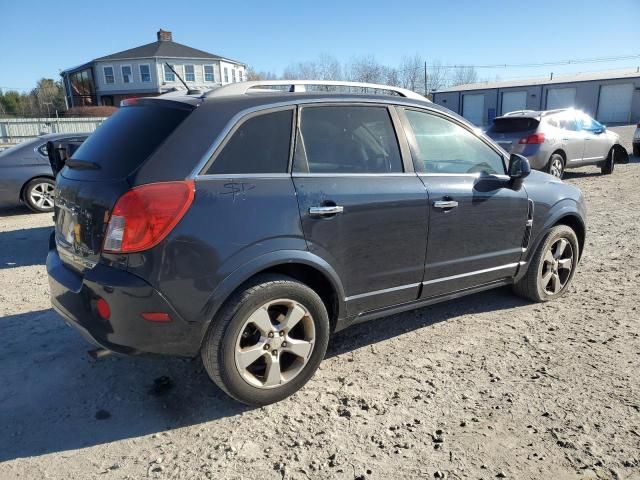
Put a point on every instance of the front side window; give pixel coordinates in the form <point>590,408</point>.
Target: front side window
<point>226,75</point>
<point>261,144</point>
<point>108,75</point>
<point>126,74</point>
<point>168,74</point>
<point>145,73</point>
<point>240,75</point>
<point>442,146</point>
<point>588,124</point>
<point>233,76</point>
<point>189,73</point>
<point>348,140</point>
<point>208,73</point>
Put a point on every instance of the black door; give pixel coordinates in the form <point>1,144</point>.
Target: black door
<point>477,221</point>
<point>362,211</point>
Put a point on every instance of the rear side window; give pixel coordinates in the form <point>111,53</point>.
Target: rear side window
<point>348,140</point>
<point>259,145</point>
<point>442,146</point>
<point>125,141</point>
<point>512,125</point>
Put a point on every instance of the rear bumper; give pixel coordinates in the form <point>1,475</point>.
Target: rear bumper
<point>74,297</point>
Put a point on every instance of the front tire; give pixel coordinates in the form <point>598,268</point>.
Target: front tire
<point>267,341</point>
<point>555,166</point>
<point>552,267</point>
<point>38,194</point>
<point>609,164</point>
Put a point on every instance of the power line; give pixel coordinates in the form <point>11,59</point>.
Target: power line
<point>541,64</point>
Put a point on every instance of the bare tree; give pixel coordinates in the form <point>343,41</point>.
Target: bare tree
<point>366,69</point>
<point>412,73</point>
<point>436,76</point>
<point>329,67</point>
<point>253,74</point>
<point>464,75</point>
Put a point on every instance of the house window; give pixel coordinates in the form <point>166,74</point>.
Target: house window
<point>208,73</point>
<point>168,74</point>
<point>226,75</point>
<point>189,73</point>
<point>240,74</point>
<point>108,75</point>
<point>127,77</point>
<point>233,75</point>
<point>145,73</point>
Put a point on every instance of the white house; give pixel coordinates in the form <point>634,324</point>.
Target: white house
<point>142,72</point>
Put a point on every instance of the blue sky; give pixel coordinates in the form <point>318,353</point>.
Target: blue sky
<point>272,35</point>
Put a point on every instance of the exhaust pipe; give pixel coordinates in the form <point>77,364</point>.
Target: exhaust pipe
<point>99,353</point>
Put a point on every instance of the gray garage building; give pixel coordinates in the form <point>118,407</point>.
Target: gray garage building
<point>610,97</point>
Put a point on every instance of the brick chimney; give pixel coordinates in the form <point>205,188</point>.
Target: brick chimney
<point>164,36</point>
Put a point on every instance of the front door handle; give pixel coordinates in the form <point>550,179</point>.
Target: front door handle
<point>445,204</point>
<point>326,210</point>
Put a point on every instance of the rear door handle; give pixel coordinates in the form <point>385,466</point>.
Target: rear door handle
<point>445,204</point>
<point>326,210</point>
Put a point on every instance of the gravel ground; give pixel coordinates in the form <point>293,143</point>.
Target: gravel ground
<point>488,386</point>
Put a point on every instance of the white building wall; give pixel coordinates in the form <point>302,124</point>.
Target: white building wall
<point>136,85</point>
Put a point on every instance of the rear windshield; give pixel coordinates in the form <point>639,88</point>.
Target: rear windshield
<point>124,141</point>
<point>518,124</point>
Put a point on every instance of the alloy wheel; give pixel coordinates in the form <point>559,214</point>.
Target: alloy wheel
<point>41,195</point>
<point>557,266</point>
<point>557,167</point>
<point>275,343</point>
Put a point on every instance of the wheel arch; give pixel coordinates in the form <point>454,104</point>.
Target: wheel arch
<point>560,152</point>
<point>620,153</point>
<point>576,224</point>
<point>300,265</point>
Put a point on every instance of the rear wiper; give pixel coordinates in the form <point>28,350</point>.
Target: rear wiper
<point>82,164</point>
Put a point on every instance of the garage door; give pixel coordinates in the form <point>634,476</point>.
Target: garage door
<point>473,108</point>
<point>561,98</point>
<point>512,101</point>
<point>615,103</point>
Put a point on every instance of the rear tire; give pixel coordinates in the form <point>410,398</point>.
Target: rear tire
<point>609,164</point>
<point>38,194</point>
<point>555,166</point>
<point>267,341</point>
<point>554,261</point>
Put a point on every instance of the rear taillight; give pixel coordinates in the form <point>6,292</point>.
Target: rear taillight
<point>145,215</point>
<point>533,139</point>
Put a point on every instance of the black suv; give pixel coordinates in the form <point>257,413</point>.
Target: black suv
<point>249,223</point>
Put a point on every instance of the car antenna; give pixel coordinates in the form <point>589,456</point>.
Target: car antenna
<point>190,91</point>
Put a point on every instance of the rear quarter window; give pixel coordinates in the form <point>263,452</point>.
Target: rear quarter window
<point>261,144</point>
<point>121,144</point>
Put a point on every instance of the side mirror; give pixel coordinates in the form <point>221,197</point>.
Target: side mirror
<point>518,167</point>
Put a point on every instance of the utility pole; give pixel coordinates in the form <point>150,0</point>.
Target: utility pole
<point>425,79</point>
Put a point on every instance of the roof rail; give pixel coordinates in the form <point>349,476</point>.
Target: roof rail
<point>242,88</point>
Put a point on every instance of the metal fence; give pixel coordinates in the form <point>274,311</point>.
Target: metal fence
<point>16,130</point>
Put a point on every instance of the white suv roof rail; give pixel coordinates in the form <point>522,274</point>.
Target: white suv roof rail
<point>242,88</point>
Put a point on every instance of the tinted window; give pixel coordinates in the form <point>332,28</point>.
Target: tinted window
<point>260,145</point>
<point>126,139</point>
<point>445,147</point>
<point>512,125</point>
<point>348,140</point>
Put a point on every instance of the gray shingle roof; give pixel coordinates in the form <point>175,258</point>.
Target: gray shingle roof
<point>580,77</point>
<point>165,49</point>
